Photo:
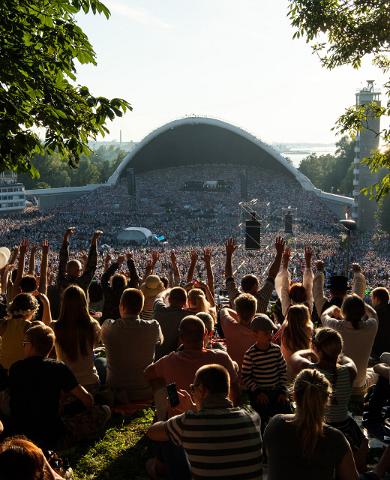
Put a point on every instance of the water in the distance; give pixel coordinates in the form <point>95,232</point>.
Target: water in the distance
<point>297,152</point>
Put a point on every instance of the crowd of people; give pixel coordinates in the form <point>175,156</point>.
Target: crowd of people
<point>250,358</point>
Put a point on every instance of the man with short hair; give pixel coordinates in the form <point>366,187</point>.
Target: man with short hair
<point>169,311</point>
<point>180,367</point>
<point>250,283</point>
<point>130,346</point>
<point>70,272</point>
<point>220,441</point>
<point>236,326</point>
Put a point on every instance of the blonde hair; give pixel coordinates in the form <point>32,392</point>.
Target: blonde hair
<point>298,328</point>
<point>311,392</point>
<point>197,300</point>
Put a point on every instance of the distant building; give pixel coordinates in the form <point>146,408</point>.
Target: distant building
<point>367,141</point>
<point>12,193</point>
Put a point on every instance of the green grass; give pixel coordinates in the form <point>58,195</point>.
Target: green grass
<point>119,455</point>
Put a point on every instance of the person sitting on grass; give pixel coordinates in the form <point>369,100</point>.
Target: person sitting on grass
<point>236,326</point>
<point>77,333</point>
<point>35,387</point>
<point>21,312</point>
<point>341,372</point>
<point>303,446</point>
<point>264,371</point>
<point>130,343</point>
<point>221,441</point>
<point>169,310</point>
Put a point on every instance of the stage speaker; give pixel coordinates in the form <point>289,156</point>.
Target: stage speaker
<point>252,235</point>
<point>288,223</point>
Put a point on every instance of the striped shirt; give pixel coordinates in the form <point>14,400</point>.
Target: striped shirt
<point>337,409</point>
<point>264,369</point>
<point>221,443</point>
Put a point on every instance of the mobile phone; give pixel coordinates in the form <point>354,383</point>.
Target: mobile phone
<point>173,397</point>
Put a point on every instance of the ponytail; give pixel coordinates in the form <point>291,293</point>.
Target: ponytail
<point>311,391</point>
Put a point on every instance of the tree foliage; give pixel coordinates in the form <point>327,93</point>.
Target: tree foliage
<point>332,173</point>
<point>343,32</point>
<point>54,172</point>
<point>40,45</point>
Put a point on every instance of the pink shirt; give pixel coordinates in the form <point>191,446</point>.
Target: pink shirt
<point>180,367</point>
<point>238,337</point>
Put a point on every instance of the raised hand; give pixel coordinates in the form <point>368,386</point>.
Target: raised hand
<point>120,259</point>
<point>97,234</point>
<point>279,245</point>
<point>129,255</point>
<point>230,246</point>
<point>155,257</point>
<point>308,256</point>
<point>69,232</point>
<point>207,255</point>
<point>286,255</point>
<point>23,247</point>
<point>194,256</point>
<point>45,247</point>
<point>173,257</point>
<point>356,268</point>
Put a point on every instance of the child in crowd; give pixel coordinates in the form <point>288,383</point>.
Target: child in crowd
<point>264,371</point>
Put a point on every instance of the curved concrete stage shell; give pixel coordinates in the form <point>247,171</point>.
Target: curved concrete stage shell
<point>195,141</point>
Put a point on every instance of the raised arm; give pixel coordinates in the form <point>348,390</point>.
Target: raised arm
<point>44,263</point>
<point>207,252</point>
<point>90,267</point>
<point>175,269</point>
<point>46,315</point>
<point>231,247</point>
<point>274,268</point>
<point>135,279</point>
<point>194,259</point>
<point>64,255</point>
<point>22,256</point>
<point>318,287</point>
<point>282,282</point>
<point>308,277</point>
<point>105,280</point>
<point>31,263</point>
<point>151,264</point>
<point>107,261</point>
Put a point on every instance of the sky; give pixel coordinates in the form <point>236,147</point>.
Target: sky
<point>231,60</point>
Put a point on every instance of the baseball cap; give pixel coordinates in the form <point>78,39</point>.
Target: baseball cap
<point>263,322</point>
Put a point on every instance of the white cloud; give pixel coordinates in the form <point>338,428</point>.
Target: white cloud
<point>138,15</point>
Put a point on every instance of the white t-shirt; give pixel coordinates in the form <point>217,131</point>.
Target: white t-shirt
<point>357,342</point>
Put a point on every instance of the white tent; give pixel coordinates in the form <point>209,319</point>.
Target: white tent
<point>135,236</point>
